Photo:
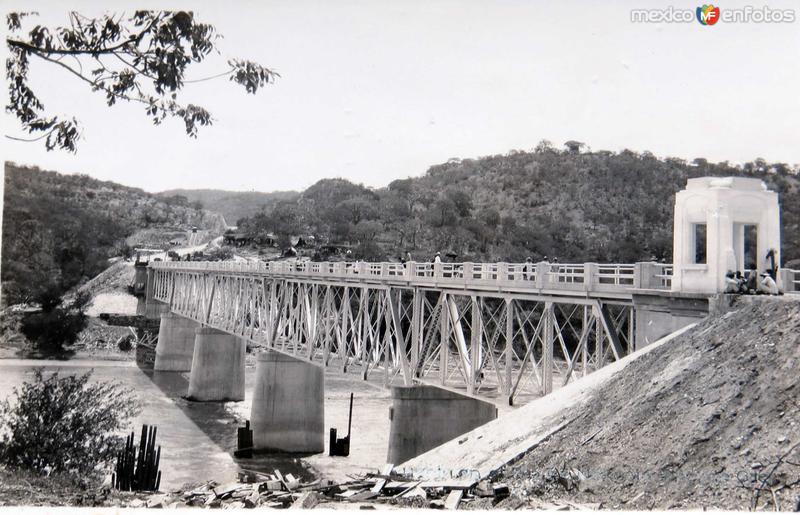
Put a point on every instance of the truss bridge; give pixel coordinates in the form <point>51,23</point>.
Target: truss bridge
<point>493,330</point>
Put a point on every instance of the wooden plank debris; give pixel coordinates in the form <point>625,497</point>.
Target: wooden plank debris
<point>276,490</point>
<point>348,494</point>
<point>413,486</point>
<point>364,496</point>
<point>453,499</point>
<point>306,501</point>
<point>291,482</point>
<point>450,484</point>
<point>378,486</point>
<point>282,480</point>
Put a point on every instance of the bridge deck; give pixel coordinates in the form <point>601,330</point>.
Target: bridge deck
<point>550,279</point>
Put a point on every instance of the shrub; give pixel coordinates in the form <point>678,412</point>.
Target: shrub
<point>64,424</point>
<point>219,254</point>
<point>55,326</point>
<point>125,343</point>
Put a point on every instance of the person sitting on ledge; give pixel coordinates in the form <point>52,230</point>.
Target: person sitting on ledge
<point>741,281</point>
<point>768,285</point>
<point>731,284</point>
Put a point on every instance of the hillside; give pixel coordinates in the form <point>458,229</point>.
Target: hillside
<point>709,420</point>
<point>59,230</point>
<point>233,205</point>
<point>590,206</point>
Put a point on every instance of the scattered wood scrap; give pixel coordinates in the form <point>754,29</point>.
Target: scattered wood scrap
<point>282,491</point>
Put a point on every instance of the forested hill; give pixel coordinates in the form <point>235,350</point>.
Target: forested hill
<point>60,229</point>
<point>234,205</point>
<point>577,206</point>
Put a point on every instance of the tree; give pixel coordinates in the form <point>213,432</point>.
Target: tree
<point>357,209</point>
<point>55,326</point>
<point>141,58</point>
<point>544,146</point>
<point>367,230</point>
<point>461,200</point>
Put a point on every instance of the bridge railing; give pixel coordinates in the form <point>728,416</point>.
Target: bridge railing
<point>790,279</point>
<point>545,276</point>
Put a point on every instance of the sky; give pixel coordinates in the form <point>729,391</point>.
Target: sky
<point>376,90</point>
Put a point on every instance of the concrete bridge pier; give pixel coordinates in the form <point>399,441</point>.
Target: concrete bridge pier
<point>175,348</point>
<point>424,417</point>
<point>288,412</point>
<point>217,366</point>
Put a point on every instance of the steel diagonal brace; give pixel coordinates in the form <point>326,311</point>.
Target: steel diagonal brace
<point>605,319</point>
<point>400,340</point>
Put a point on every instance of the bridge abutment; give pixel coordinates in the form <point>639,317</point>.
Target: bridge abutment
<point>423,417</point>
<point>661,313</point>
<point>217,366</point>
<point>175,348</point>
<point>288,412</point>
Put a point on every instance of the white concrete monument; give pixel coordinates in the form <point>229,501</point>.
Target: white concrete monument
<point>722,224</point>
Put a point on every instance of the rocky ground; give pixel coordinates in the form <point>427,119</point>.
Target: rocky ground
<point>710,420</point>
<point>114,279</point>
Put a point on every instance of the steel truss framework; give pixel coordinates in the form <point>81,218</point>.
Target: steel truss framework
<point>495,345</point>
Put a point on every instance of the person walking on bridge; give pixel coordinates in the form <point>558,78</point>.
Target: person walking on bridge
<point>527,269</point>
<point>437,259</point>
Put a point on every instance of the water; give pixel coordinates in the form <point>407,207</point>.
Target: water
<point>198,439</point>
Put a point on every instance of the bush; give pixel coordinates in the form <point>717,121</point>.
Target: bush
<point>219,254</point>
<point>125,343</point>
<point>64,424</point>
<point>55,326</point>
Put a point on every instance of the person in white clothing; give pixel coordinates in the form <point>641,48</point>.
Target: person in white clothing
<point>767,285</point>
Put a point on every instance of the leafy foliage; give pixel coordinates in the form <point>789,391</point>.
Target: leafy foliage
<point>141,58</point>
<point>218,254</point>
<point>577,206</point>
<point>64,424</point>
<point>55,326</point>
